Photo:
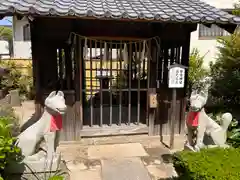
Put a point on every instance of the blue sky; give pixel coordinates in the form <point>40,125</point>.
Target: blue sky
<point>7,21</point>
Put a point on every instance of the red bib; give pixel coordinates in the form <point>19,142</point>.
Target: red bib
<point>56,123</point>
<point>192,119</point>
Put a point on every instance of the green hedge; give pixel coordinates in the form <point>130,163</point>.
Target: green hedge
<point>209,164</point>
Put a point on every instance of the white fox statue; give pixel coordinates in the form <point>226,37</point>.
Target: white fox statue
<point>202,131</point>
<point>46,130</point>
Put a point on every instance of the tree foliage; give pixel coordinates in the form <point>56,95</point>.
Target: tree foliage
<point>236,10</point>
<point>6,34</point>
<point>226,72</point>
<point>196,72</point>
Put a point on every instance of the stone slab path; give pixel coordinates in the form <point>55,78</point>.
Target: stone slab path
<point>124,169</point>
<point>116,150</point>
<point>118,158</point>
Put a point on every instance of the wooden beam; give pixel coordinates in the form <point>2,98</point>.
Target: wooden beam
<point>19,17</point>
<point>207,25</point>
<point>116,20</point>
<point>107,38</point>
<point>192,27</point>
<point>97,131</point>
<point>2,16</point>
<point>228,27</point>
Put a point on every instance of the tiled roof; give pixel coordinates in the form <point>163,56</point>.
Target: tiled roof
<point>160,10</point>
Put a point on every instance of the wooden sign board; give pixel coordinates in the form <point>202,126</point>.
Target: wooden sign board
<point>176,77</point>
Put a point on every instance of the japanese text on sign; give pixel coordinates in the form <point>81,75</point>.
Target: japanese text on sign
<point>176,77</point>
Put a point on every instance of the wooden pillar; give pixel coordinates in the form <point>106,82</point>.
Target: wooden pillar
<point>185,62</point>
<point>49,65</point>
<point>152,88</point>
<point>78,88</point>
<point>68,65</point>
<point>36,65</point>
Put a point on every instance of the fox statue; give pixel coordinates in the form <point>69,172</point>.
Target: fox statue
<point>44,131</point>
<point>202,131</point>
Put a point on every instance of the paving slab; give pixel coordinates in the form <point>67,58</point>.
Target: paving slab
<point>124,169</point>
<point>85,175</point>
<point>116,150</point>
<point>163,171</point>
<point>157,173</point>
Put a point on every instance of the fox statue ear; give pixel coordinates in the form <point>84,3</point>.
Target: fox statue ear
<point>53,93</point>
<point>60,93</point>
<point>193,93</point>
<point>205,92</point>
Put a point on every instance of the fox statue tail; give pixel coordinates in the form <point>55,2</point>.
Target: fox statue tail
<point>226,120</point>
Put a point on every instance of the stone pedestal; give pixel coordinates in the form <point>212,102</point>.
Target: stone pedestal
<point>37,166</point>
<point>62,170</point>
<point>36,163</point>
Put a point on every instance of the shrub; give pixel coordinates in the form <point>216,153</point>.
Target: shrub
<point>234,134</point>
<point>9,128</point>
<point>17,80</point>
<point>12,80</point>
<point>208,164</point>
<point>26,83</point>
<point>8,151</point>
<point>7,112</point>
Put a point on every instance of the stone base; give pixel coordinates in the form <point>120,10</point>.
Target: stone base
<point>41,165</point>
<point>215,146</point>
<point>62,170</point>
<point>187,147</point>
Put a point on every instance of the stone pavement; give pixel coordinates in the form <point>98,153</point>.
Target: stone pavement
<point>119,158</point>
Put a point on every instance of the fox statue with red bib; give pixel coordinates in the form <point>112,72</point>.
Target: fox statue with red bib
<point>45,131</point>
<point>202,131</point>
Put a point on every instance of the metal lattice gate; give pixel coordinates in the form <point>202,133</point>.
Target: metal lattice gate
<point>107,85</point>
<point>115,83</point>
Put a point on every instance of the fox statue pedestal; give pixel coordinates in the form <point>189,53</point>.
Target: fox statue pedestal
<point>40,169</point>
<point>42,164</point>
<point>39,142</point>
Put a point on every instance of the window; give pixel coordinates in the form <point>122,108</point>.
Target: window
<point>26,32</point>
<point>211,33</point>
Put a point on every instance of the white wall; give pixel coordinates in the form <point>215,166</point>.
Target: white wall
<point>222,4</point>
<point>208,47</point>
<point>21,48</point>
<point>4,49</point>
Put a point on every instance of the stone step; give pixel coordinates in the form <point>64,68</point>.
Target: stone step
<point>130,168</point>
